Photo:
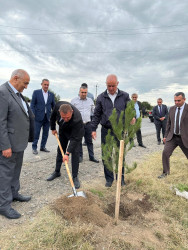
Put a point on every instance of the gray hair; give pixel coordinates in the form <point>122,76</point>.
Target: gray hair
<point>19,72</point>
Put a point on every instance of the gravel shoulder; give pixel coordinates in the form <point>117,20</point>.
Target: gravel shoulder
<point>36,170</point>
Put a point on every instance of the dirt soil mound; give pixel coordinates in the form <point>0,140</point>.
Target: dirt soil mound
<point>98,212</point>
<point>88,210</point>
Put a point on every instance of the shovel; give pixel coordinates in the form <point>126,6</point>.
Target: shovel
<point>80,193</point>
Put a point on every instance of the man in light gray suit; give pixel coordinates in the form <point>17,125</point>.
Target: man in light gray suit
<point>14,135</point>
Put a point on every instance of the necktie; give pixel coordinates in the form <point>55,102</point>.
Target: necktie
<point>19,95</point>
<point>160,108</point>
<point>177,122</point>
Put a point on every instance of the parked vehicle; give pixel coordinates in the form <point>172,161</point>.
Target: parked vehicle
<point>151,116</point>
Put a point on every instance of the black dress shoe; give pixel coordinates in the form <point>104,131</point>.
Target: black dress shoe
<point>76,182</point>
<point>35,152</point>
<point>53,176</point>
<point>162,176</point>
<point>44,150</point>
<point>10,213</point>
<point>84,144</point>
<point>22,198</point>
<point>159,143</point>
<point>80,159</point>
<point>108,184</point>
<point>93,159</point>
<point>142,145</point>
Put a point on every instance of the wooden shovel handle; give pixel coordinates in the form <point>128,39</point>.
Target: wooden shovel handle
<point>66,164</point>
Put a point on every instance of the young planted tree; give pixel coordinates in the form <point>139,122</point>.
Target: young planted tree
<point>121,130</point>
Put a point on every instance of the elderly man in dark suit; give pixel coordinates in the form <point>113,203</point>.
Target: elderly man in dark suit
<point>160,115</point>
<point>42,104</point>
<point>14,135</point>
<point>176,131</point>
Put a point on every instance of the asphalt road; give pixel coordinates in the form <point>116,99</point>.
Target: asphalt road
<point>147,128</point>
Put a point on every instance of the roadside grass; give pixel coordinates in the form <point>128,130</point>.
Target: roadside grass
<point>50,231</point>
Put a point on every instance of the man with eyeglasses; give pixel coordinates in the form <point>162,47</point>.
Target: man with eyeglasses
<point>111,98</point>
<point>86,106</point>
<point>160,115</point>
<point>176,131</point>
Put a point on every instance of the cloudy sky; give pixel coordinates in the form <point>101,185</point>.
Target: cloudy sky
<point>143,42</point>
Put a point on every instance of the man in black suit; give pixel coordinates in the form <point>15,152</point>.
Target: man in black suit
<point>71,131</point>
<point>138,108</point>
<point>160,114</point>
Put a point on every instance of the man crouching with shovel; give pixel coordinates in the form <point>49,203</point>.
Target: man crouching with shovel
<point>71,130</point>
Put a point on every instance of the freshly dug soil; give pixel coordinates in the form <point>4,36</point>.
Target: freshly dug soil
<point>98,212</point>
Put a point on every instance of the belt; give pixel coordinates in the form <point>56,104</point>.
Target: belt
<point>86,123</point>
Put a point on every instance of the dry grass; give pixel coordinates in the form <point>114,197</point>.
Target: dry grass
<point>168,230</point>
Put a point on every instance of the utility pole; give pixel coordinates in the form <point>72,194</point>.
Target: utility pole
<point>96,86</point>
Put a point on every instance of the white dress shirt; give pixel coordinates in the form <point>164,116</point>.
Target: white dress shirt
<point>45,95</point>
<point>181,112</point>
<point>85,106</point>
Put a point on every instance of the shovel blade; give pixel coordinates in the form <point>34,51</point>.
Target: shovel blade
<point>78,194</point>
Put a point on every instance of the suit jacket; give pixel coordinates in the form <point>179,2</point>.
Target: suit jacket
<point>14,121</point>
<point>183,125</point>
<point>73,129</point>
<point>38,104</point>
<point>157,116</point>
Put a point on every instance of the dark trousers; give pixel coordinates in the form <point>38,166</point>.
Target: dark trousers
<point>139,136</point>
<point>159,126</point>
<point>168,150</point>
<point>74,155</point>
<point>44,124</point>
<point>109,176</point>
<point>10,169</point>
<point>88,140</point>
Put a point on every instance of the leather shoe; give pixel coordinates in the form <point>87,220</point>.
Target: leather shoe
<point>10,213</point>
<point>93,159</point>
<point>35,152</point>
<point>84,144</point>
<point>108,184</point>
<point>80,159</point>
<point>162,176</point>
<point>76,182</point>
<point>159,143</point>
<point>142,145</point>
<point>22,198</point>
<point>53,176</point>
<point>44,150</point>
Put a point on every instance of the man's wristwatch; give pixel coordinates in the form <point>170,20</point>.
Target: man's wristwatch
<point>67,154</point>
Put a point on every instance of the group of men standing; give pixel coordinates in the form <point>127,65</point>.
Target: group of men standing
<point>74,120</point>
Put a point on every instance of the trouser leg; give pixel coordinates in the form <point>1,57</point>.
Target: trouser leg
<point>8,182</point>
<point>158,130</point>
<point>88,139</point>
<point>64,142</point>
<point>167,152</point>
<point>38,126</point>
<point>108,174</point>
<point>15,185</point>
<point>45,132</point>
<point>163,128</point>
<point>75,160</point>
<point>139,137</point>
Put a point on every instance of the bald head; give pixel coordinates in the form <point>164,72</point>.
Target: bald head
<point>112,83</point>
<point>20,79</point>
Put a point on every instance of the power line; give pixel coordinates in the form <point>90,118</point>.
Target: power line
<point>93,52</point>
<point>93,33</point>
<point>164,26</point>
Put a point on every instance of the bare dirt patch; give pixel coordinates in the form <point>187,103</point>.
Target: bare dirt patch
<point>100,212</point>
